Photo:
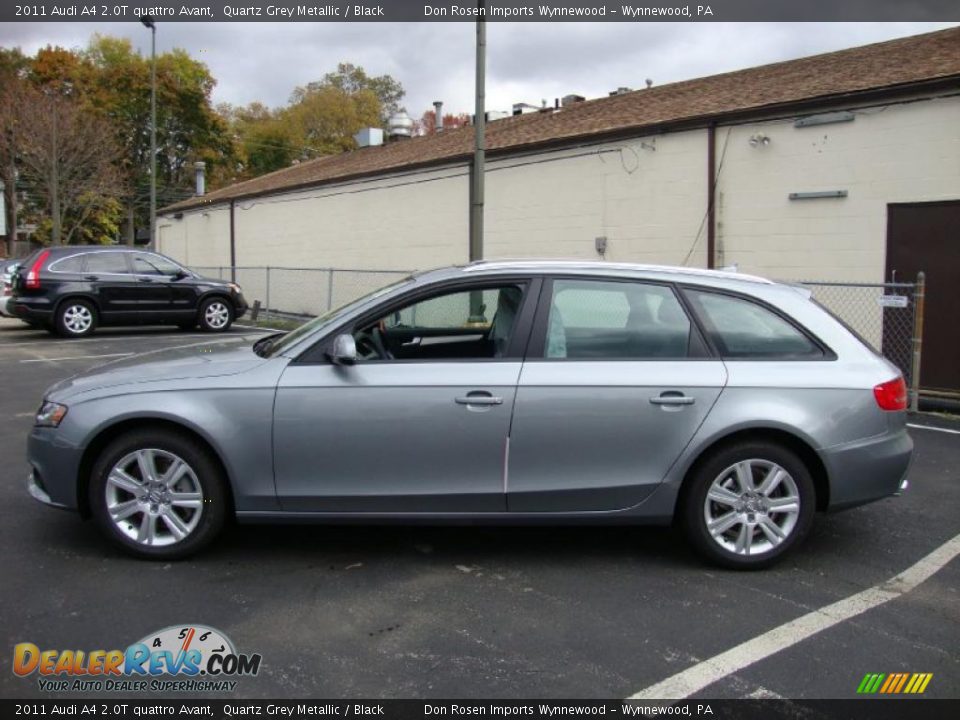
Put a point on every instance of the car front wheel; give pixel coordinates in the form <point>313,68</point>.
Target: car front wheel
<point>158,494</point>
<point>216,315</point>
<point>748,505</point>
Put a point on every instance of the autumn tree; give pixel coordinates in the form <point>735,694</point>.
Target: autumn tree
<point>352,79</point>
<point>427,124</point>
<point>13,68</point>
<point>70,160</point>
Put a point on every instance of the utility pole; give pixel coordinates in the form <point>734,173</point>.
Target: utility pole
<point>148,21</point>
<point>55,178</point>
<point>479,139</point>
<point>12,194</point>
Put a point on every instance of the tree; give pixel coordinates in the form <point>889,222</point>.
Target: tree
<point>188,128</point>
<point>353,79</point>
<point>13,69</point>
<point>70,159</point>
<point>326,119</point>
<point>427,124</point>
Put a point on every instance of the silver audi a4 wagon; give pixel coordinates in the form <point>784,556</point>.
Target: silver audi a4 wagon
<point>499,392</point>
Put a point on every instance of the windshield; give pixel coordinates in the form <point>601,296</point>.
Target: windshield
<point>282,342</point>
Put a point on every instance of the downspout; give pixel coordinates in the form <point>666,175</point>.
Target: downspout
<point>711,194</point>
<point>233,243</point>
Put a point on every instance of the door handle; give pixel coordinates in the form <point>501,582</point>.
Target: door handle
<point>91,277</point>
<point>672,399</point>
<point>146,280</point>
<point>479,398</point>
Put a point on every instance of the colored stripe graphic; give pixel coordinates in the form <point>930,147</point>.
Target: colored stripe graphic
<point>894,683</point>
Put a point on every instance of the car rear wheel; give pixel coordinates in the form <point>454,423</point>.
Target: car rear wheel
<point>158,494</point>
<point>75,318</point>
<point>748,504</point>
<point>216,315</point>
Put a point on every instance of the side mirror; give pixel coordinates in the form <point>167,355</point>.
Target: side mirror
<point>344,350</point>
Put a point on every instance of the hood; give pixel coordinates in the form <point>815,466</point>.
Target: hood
<point>182,363</point>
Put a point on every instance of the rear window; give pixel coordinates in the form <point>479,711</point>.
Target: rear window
<point>744,329</point>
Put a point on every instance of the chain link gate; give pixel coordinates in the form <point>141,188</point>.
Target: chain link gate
<point>889,316</point>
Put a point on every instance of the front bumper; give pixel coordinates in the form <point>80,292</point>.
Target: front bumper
<point>240,306</point>
<point>38,492</point>
<point>867,470</point>
<point>54,468</point>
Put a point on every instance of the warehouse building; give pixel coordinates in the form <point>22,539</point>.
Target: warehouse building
<point>843,166</point>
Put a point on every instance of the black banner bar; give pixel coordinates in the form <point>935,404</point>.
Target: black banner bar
<point>467,11</point>
<point>854,709</point>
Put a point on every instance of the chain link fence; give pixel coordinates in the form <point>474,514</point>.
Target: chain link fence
<point>301,292</point>
<point>889,316</point>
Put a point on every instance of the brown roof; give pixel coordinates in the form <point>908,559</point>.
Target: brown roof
<point>887,65</point>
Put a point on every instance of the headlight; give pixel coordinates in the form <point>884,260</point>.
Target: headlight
<point>234,287</point>
<point>50,414</point>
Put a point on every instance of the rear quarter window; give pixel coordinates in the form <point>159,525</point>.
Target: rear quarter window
<point>72,264</point>
<point>741,328</point>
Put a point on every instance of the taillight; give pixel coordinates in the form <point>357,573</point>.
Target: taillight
<point>32,281</point>
<point>891,395</point>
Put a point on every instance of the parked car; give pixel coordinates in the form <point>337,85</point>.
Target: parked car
<point>499,392</point>
<point>73,290</point>
<point>7,268</point>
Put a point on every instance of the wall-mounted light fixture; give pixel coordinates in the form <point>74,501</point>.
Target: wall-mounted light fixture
<point>824,119</point>
<point>600,244</point>
<point>759,140</point>
<point>818,195</point>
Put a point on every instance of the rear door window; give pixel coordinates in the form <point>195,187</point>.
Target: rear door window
<point>107,263</point>
<point>616,320</point>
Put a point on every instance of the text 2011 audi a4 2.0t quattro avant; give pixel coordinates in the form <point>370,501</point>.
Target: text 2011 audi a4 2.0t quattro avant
<point>501,392</point>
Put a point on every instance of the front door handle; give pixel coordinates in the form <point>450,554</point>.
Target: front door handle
<point>479,397</point>
<point>672,399</point>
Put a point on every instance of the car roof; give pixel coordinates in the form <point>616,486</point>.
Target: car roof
<point>662,273</point>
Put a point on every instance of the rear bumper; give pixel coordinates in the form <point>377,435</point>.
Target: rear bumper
<point>867,470</point>
<point>38,309</point>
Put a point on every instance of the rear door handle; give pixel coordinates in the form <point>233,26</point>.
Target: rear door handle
<point>479,398</point>
<point>672,399</point>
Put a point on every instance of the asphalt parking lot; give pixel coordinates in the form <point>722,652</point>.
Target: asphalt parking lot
<point>386,612</point>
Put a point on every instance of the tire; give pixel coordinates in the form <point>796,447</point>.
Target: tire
<point>164,520</point>
<point>75,318</point>
<point>748,531</point>
<point>216,315</point>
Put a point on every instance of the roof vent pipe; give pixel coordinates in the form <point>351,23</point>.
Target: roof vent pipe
<point>438,115</point>
<point>199,168</point>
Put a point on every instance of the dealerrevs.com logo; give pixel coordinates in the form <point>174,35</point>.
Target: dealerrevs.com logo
<point>185,658</point>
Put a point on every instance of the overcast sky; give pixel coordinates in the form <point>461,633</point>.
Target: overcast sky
<point>527,62</point>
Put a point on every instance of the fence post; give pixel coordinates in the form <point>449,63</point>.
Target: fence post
<point>266,313</point>
<point>918,300</point>
<point>330,290</point>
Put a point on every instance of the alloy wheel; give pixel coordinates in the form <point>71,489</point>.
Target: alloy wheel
<point>154,497</point>
<point>752,507</point>
<point>77,319</point>
<point>217,315</point>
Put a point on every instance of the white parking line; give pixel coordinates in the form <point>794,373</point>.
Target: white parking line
<point>934,429</point>
<point>77,357</point>
<point>696,678</point>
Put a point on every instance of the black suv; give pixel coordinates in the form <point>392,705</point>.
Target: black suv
<point>71,290</point>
